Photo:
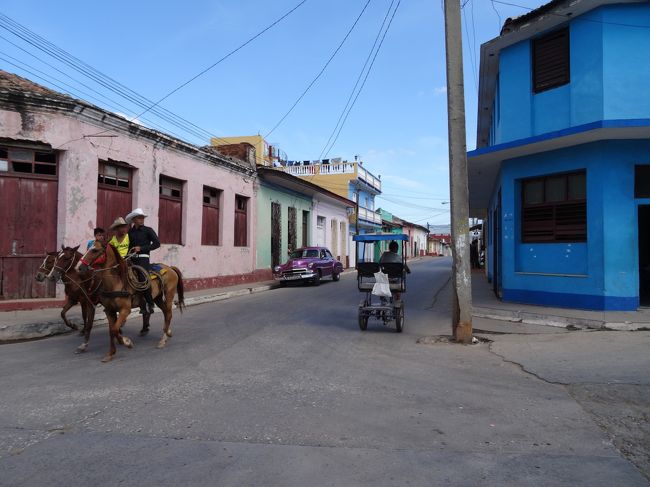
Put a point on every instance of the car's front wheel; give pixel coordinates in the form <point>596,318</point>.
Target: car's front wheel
<point>316,279</point>
<point>336,276</point>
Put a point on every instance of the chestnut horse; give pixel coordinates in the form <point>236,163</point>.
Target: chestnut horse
<point>78,288</point>
<point>63,263</point>
<point>118,295</point>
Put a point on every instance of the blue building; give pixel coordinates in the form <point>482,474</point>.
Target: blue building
<point>561,173</point>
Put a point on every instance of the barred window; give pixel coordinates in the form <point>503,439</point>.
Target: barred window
<point>554,208</point>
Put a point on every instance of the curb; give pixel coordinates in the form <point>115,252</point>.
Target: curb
<point>556,321</point>
<point>29,331</point>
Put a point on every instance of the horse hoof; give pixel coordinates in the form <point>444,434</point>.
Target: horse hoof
<point>81,348</point>
<point>107,358</point>
<point>126,341</point>
<point>73,326</point>
<point>161,344</point>
<point>144,331</point>
<point>168,333</point>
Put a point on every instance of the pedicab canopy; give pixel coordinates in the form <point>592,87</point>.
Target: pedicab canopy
<point>380,237</point>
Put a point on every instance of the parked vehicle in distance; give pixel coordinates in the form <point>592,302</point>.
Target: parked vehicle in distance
<point>308,264</point>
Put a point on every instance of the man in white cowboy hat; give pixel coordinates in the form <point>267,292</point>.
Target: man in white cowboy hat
<point>142,240</point>
<point>121,238</point>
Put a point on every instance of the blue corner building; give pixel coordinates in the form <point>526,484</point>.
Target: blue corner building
<point>561,172</point>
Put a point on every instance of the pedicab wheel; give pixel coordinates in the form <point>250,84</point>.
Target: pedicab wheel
<point>399,318</point>
<point>363,320</point>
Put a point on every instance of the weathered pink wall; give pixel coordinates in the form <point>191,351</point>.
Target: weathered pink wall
<point>78,166</point>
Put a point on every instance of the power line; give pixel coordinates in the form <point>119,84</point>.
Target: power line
<point>225,57</point>
<point>321,71</point>
<point>105,81</point>
<point>365,64</point>
<point>364,79</point>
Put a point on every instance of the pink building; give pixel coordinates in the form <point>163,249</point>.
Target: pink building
<point>67,166</point>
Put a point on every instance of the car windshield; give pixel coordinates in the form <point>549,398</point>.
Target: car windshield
<point>302,253</point>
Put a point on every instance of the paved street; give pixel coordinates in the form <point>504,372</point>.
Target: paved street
<point>281,388</point>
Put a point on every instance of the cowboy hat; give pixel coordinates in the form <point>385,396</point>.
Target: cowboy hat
<point>119,221</point>
<point>134,213</point>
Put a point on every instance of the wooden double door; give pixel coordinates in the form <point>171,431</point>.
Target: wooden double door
<point>28,211</point>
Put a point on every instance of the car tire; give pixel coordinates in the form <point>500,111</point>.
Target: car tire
<point>316,279</point>
<point>336,276</point>
<point>283,283</point>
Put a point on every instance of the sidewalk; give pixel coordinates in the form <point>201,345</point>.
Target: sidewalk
<point>39,323</point>
<point>486,305</point>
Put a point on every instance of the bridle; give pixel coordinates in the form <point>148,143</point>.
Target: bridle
<point>85,262</point>
<point>60,269</point>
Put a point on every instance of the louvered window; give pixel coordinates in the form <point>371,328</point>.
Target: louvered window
<point>551,66</point>
<point>554,208</point>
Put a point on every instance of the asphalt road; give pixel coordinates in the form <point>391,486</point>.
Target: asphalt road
<point>281,388</point>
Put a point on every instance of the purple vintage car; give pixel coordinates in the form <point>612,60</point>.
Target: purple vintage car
<point>310,264</point>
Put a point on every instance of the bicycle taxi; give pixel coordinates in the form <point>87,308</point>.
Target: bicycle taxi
<point>381,280</point>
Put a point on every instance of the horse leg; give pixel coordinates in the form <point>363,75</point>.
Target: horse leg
<point>145,323</point>
<point>88,326</point>
<point>69,303</point>
<point>125,311</point>
<point>112,319</point>
<point>167,312</point>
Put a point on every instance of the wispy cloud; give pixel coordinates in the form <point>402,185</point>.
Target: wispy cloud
<point>440,90</point>
<point>404,183</point>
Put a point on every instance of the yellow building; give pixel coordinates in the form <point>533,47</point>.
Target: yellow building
<point>267,154</point>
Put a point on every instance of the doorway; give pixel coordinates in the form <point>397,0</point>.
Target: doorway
<point>276,233</point>
<point>644,255</point>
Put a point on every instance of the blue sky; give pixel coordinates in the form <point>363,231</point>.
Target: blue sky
<point>398,125</point>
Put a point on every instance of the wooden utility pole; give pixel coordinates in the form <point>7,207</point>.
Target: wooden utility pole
<point>458,186</point>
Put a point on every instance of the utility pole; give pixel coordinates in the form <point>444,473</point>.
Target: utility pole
<point>458,186</point>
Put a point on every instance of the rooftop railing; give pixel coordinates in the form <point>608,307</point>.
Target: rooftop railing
<point>313,169</point>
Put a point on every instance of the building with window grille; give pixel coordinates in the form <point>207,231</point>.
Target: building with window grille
<point>67,166</point>
<point>561,172</point>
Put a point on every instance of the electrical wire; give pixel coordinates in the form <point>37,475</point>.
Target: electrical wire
<point>201,73</point>
<point>365,79</point>
<point>338,48</point>
<point>365,64</point>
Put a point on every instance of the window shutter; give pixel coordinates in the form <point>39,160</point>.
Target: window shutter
<point>551,66</point>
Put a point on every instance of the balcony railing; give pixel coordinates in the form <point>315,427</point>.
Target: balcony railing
<point>334,168</point>
<point>369,215</point>
<point>369,178</point>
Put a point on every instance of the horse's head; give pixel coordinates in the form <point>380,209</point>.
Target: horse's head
<point>96,251</point>
<point>46,266</point>
<point>63,262</point>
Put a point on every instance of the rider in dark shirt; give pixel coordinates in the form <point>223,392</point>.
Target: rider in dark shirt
<point>142,240</point>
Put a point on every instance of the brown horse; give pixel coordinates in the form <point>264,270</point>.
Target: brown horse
<point>78,288</point>
<point>74,293</point>
<point>118,295</point>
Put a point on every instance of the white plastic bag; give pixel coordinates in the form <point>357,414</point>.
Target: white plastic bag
<point>381,287</point>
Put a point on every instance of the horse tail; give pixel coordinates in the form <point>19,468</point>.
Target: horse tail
<point>180,290</point>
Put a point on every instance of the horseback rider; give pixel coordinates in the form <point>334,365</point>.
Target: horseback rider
<point>121,238</point>
<point>142,240</point>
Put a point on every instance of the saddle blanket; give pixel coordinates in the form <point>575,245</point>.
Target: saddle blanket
<point>159,269</point>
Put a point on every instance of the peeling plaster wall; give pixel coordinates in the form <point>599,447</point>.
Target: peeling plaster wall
<point>77,206</point>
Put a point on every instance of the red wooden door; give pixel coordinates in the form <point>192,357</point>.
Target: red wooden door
<point>28,209</point>
<point>112,203</point>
